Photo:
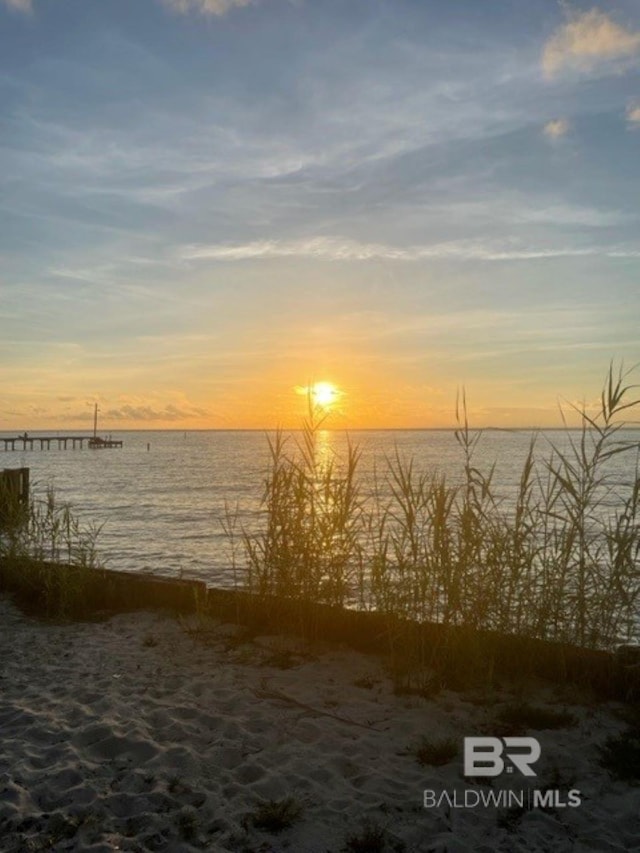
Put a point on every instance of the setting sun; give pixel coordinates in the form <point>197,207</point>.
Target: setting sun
<point>322,395</point>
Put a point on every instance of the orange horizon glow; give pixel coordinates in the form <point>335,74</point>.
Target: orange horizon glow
<point>346,401</point>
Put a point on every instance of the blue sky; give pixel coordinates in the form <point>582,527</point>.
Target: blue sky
<point>205,204</point>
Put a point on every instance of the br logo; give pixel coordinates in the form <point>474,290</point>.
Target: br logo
<point>483,756</point>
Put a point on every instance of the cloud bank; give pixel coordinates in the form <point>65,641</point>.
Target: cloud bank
<point>204,7</point>
<point>19,5</point>
<point>588,39</point>
<point>148,413</point>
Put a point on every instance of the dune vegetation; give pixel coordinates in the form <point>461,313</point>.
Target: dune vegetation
<point>563,564</point>
<point>46,553</point>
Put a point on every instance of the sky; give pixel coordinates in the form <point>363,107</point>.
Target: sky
<point>207,205</point>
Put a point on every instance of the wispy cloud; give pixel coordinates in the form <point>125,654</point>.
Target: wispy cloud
<point>205,7</point>
<point>587,40</point>
<point>557,128</point>
<point>560,214</point>
<point>170,412</point>
<point>345,249</point>
<point>19,5</point>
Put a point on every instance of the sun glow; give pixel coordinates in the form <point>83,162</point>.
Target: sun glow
<point>321,395</point>
<point>324,394</point>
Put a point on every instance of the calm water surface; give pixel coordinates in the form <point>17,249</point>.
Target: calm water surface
<point>161,508</point>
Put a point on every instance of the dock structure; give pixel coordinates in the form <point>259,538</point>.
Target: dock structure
<point>97,443</point>
<point>62,442</point>
<point>94,442</point>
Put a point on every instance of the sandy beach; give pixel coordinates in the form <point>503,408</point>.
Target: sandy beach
<point>146,732</point>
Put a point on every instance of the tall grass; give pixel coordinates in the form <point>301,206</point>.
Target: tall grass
<point>311,547</point>
<point>561,563</point>
<point>46,554</point>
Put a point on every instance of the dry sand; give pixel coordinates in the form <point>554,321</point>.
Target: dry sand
<point>131,734</point>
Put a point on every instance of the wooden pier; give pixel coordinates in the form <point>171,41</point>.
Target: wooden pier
<point>94,442</point>
<point>62,442</point>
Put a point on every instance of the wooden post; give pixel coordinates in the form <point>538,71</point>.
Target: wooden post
<point>14,494</point>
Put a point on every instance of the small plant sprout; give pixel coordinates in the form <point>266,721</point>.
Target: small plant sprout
<point>277,815</point>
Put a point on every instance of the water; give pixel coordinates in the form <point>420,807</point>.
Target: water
<point>161,508</point>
